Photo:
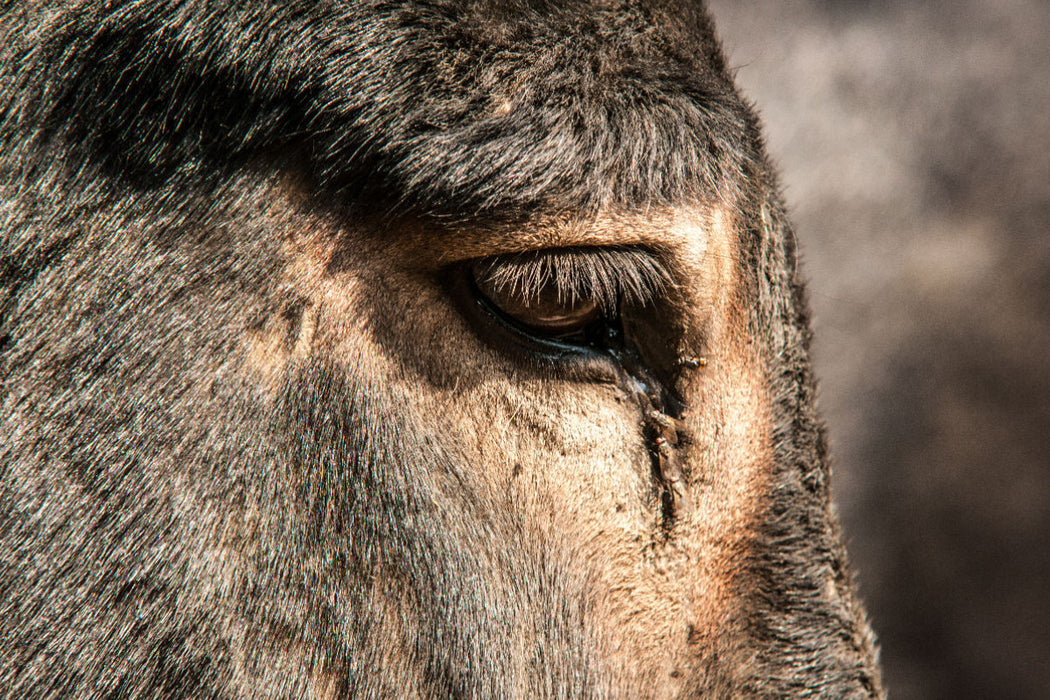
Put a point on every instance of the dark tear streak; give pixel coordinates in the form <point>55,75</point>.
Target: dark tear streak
<point>665,435</point>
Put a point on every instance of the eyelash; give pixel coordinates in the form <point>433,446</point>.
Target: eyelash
<point>608,276</point>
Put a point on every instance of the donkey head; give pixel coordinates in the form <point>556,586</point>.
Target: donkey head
<point>404,349</point>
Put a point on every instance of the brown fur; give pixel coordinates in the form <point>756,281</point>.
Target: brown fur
<point>280,456</point>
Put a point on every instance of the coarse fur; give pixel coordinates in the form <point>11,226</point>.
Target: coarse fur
<point>258,440</point>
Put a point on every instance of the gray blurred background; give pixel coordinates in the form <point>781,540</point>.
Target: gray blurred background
<point>914,144</point>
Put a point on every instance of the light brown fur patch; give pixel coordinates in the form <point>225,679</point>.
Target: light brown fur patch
<point>566,458</point>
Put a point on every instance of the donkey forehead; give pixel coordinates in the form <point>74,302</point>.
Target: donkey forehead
<point>496,111</point>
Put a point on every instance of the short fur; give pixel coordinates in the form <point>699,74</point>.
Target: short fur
<point>230,470</point>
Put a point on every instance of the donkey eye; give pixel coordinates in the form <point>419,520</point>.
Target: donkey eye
<point>561,301</point>
<point>546,309</point>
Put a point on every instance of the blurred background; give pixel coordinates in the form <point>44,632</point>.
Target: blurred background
<point>913,140</point>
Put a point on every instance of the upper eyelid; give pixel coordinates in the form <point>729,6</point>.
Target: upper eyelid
<point>602,274</point>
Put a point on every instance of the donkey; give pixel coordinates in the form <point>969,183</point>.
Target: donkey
<point>450,348</point>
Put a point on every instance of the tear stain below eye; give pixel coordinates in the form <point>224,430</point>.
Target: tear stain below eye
<point>665,435</point>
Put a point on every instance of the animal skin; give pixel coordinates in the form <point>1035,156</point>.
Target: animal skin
<point>403,349</point>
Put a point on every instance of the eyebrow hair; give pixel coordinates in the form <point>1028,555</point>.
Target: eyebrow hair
<point>605,275</point>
